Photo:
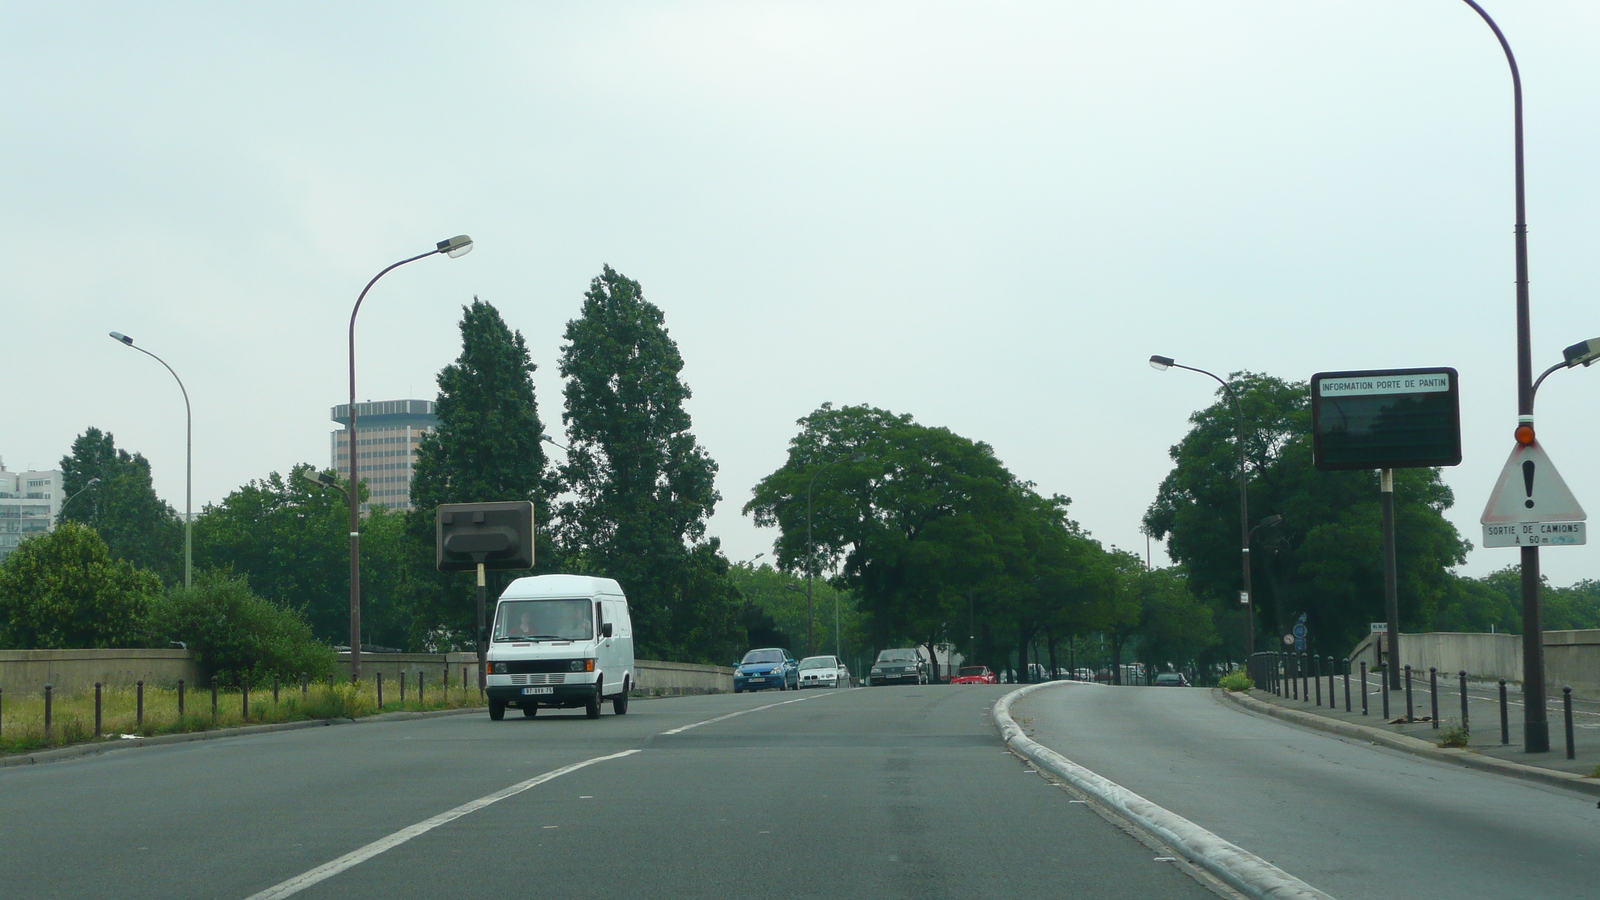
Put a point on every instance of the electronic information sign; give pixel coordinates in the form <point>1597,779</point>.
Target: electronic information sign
<point>1386,419</point>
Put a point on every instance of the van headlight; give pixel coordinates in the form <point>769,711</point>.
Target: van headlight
<point>582,665</point>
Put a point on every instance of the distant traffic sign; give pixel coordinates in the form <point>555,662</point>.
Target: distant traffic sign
<point>1531,505</point>
<point>1380,627</point>
<point>1288,640</point>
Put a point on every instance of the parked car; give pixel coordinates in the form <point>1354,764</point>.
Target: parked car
<point>975,675</point>
<point>1171,679</point>
<point>823,671</point>
<point>901,666</point>
<point>770,667</point>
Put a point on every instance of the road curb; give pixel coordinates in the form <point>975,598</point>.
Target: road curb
<point>1239,868</point>
<point>1416,747</point>
<point>81,750</point>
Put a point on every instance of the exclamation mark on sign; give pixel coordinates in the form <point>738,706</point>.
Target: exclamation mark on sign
<point>1527,481</point>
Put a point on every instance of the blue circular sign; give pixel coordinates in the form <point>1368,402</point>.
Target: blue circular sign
<point>1299,631</point>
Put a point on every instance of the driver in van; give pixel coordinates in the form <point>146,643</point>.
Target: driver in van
<point>524,626</point>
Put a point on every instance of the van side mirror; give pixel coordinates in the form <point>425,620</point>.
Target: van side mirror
<point>605,629</point>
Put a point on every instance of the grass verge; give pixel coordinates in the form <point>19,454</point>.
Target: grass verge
<point>73,720</point>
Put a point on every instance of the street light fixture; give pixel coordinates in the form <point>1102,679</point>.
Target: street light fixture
<point>1581,354</point>
<point>460,245</point>
<point>62,512</point>
<point>811,613</point>
<point>1161,364</point>
<point>188,478</point>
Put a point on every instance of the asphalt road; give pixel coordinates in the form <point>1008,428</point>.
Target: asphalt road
<point>1353,819</point>
<point>883,792</point>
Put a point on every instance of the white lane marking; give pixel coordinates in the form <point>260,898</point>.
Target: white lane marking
<point>354,858</point>
<point>682,728</point>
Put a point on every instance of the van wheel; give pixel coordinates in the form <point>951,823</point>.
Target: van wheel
<point>497,709</point>
<point>529,709</point>
<point>593,706</point>
<point>738,690</point>
<point>619,703</point>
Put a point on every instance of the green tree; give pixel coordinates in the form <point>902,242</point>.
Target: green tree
<point>1325,559</point>
<point>642,485</point>
<point>927,529</point>
<point>64,590</point>
<point>781,597</point>
<point>123,508</point>
<point>488,447</point>
<point>289,537</point>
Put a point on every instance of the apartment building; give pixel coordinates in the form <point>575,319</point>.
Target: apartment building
<point>29,502</point>
<point>388,435</point>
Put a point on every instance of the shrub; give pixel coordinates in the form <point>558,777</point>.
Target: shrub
<point>1236,681</point>
<point>234,633</point>
<point>1454,735</point>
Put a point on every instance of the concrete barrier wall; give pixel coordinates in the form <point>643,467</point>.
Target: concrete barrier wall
<point>653,678</point>
<point>1570,657</point>
<point>70,671</point>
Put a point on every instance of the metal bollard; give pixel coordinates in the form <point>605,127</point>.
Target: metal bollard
<point>463,679</point>
<point>180,698</point>
<point>1316,662</point>
<point>1464,726</point>
<point>1347,684</point>
<point>380,691</point>
<point>213,698</point>
<point>48,698</point>
<point>305,685</point>
<point>274,690</point>
<point>1363,687</point>
<point>1294,676</point>
<point>1383,688</point>
<point>97,725</point>
<point>1305,673</point>
<point>1433,694</point>
<point>419,689</point>
<point>1505,725</point>
<point>1333,666</point>
<point>1411,714</point>
<point>244,696</point>
<point>2,704</point>
<point>1566,706</point>
<point>138,716</point>
<point>403,681</point>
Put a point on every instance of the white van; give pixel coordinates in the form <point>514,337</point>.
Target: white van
<point>561,641</point>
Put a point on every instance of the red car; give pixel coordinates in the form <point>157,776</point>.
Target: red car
<point>975,675</point>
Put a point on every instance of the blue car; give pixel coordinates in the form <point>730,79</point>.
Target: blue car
<point>769,668</point>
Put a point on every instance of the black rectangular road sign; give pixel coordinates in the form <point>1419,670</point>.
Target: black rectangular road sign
<point>1386,419</point>
<point>499,535</point>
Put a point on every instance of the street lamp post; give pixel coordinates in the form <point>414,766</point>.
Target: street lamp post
<point>188,475</point>
<point>62,512</point>
<point>811,613</point>
<point>460,245</point>
<point>1161,364</point>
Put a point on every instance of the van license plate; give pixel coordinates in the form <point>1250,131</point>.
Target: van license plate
<point>538,690</point>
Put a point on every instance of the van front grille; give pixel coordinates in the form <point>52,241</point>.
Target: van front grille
<point>549,678</point>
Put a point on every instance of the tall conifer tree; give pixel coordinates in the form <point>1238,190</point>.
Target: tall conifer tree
<point>643,485</point>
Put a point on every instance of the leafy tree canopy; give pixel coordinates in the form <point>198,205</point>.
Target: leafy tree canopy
<point>488,447</point>
<point>642,486</point>
<point>1325,559</point>
<point>123,508</point>
<point>64,590</point>
<point>234,633</point>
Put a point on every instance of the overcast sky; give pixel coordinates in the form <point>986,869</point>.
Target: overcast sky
<point>987,215</point>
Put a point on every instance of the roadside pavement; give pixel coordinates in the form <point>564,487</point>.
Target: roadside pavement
<point>1487,746</point>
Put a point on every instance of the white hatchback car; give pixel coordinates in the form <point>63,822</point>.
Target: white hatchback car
<point>823,671</point>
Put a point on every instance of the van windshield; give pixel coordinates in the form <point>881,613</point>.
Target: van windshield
<point>544,620</point>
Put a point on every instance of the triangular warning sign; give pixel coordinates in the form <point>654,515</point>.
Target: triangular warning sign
<point>1531,490</point>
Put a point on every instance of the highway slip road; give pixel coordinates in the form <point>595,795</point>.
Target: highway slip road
<point>1352,819</point>
<point>882,792</point>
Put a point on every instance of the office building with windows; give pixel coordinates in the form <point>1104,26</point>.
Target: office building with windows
<point>29,502</point>
<point>388,433</point>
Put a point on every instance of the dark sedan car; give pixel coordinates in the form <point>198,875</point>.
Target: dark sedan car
<point>1171,679</point>
<point>898,667</point>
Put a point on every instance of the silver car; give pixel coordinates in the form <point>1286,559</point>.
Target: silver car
<point>823,672</point>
